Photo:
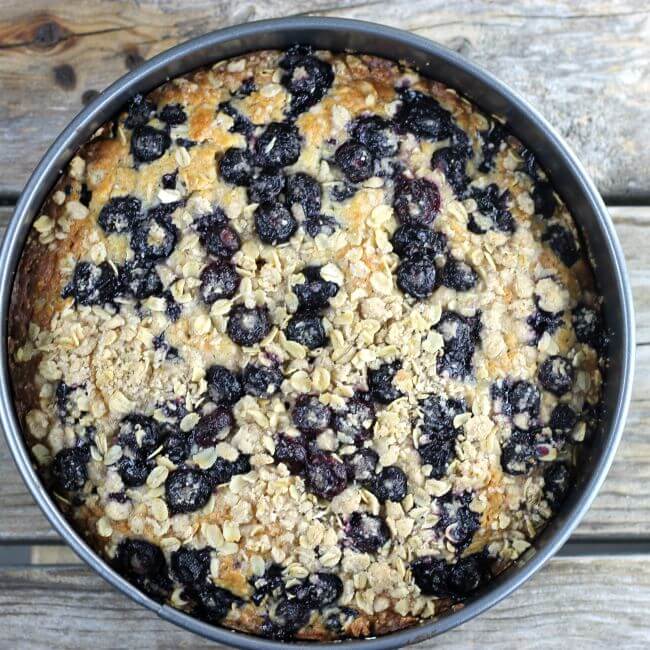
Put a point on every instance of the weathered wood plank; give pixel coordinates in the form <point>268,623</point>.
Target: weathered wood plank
<point>621,509</point>
<point>585,64</point>
<point>589,601</point>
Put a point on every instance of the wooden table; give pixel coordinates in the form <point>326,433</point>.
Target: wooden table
<point>585,65</point>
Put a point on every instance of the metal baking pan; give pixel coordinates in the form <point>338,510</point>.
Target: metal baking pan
<point>566,173</point>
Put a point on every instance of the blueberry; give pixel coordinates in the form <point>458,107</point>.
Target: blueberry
<point>513,398</point>
<point>278,146</point>
<point>304,190</point>
<point>140,280</point>
<point>224,387</point>
<point>120,213</point>
<point>219,239</point>
<point>451,161</point>
<point>438,415</point>
<point>380,383</point>
<point>172,114</point>
<point>223,470</point>
<point>409,240</point>
<point>274,223</point>
<point>69,470</point>
<point>557,480</point>
<point>493,209</point>
<point>139,112</point>
<point>247,87</point>
<point>361,464</point>
<point>172,309</point>
<point>416,276</point>
<point>493,139</point>
<point>318,591</point>
<point>168,181</point>
<point>236,166</point>
<point>466,575</point>
<point>310,415</point>
<point>306,328</point>
<point>190,566</point>
<point>292,451</point>
<point>438,455</point>
<point>555,375</point>
<point>269,584</point>
<point>561,243</point>
<point>133,470</point>
<point>458,275</point>
<point>588,326</point>
<point>355,161</point>
<point>456,521</point>
<point>544,200</point>
<point>435,577</point>
<point>92,285</point>
<point>541,321</point>
<point>320,223</point>
<point>289,616</point>
<point>355,421</point>
<point>218,280</point>
<point>389,485</point>
<point>85,195</point>
<point>137,557</point>
<point>261,381</point>
<point>139,433</point>
<point>342,191</point>
<point>62,394</point>
<point>241,124</point>
<point>460,335</point>
<point>148,144</point>
<point>154,239</point>
<point>562,422</point>
<point>185,142</point>
<point>314,293</point>
<point>423,116</point>
<point>213,427</point>
<point>212,603</point>
<point>376,134</point>
<point>265,187</point>
<point>306,77</point>
<point>187,490</point>
<point>430,574</point>
<point>176,447</point>
<point>518,453</point>
<point>416,201</point>
<point>246,326</point>
<point>366,533</point>
<point>326,477</point>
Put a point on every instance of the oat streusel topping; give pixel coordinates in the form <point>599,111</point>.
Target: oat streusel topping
<point>304,343</point>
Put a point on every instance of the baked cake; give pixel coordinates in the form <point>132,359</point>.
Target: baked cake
<point>304,345</point>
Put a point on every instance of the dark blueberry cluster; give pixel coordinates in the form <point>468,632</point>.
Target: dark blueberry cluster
<point>187,489</point>
<point>562,243</point>
<point>139,111</point>
<point>266,186</point>
<point>305,191</point>
<point>144,565</point>
<point>460,335</point>
<point>361,465</point>
<point>261,381</point>
<point>172,115</point>
<point>325,475</point>
<point>457,522</point>
<point>517,399</point>
<point>212,427</point>
<point>409,240</point>
<point>380,383</point>
<point>588,327</point>
<point>241,124</point>
<point>224,386</point>
<point>542,321</point>
<point>217,236</point>
<point>366,533</point>
<point>148,144</point>
<point>458,275</point>
<point>120,214</point>
<point>544,199</point>
<point>92,284</point>
<point>493,139</point>
<point>155,237</point>
<point>306,328</point>
<point>138,436</point>
<point>274,223</point>
<point>218,280</point>
<point>436,577</point>
<point>519,451</point>
<point>69,470</point>
<point>452,162</point>
<point>562,421</point>
<point>556,375</point>
<point>355,161</point>
<point>236,166</point>
<point>389,485</point>
<point>189,566</point>
<point>314,292</point>
<point>493,213</point>
<point>354,422</point>
<point>376,134</point>
<point>292,451</point>
<point>423,116</point>
<point>557,481</point>
<point>416,276</point>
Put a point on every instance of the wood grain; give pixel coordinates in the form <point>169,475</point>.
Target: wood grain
<point>622,508</point>
<point>585,64</point>
<point>588,601</point>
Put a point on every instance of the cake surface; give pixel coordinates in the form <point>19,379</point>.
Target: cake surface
<point>304,344</point>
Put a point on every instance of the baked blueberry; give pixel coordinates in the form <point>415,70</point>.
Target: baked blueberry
<point>306,77</point>
<point>557,480</point>
<point>269,584</point>
<point>224,386</point>
<point>518,453</point>
<point>409,241</point>
<point>218,280</point>
<point>133,470</point>
<point>246,326</point>
<point>139,433</point>
<point>187,490</point>
<point>423,116</point>
<point>304,190</point>
<point>588,326</point>
<point>458,275</point>
<point>376,134</point>
<point>355,161</point>
<point>314,293</point>
<point>457,522</point>
<point>140,280</point>
<point>416,276</point>
<point>292,451</point>
<point>274,223</point>
<point>266,186</point>
<point>437,418</point>
<point>310,415</point>
<point>212,603</point>
<point>92,285</point>
<point>452,162</point>
<point>219,238</point>
<point>466,575</point>
<point>148,144</point>
<point>562,243</point>
<point>556,374</point>
<point>355,421</point>
<point>318,591</point>
<point>389,485</point>
<point>493,140</point>
<point>343,191</point>
<point>512,398</point>
<point>236,166</point>
<point>562,421</point>
<point>172,114</point>
<point>137,557</point>
<point>69,470</point>
<point>460,335</point>
<point>431,574</point>
<point>222,470</point>
<point>306,328</point>
<point>544,200</point>
<point>176,447</point>
<point>261,381</point>
<point>541,321</point>
<point>241,124</point>
<point>85,195</point>
<point>278,146</point>
<point>190,566</point>
<point>121,213</point>
<point>493,213</point>
<point>139,111</point>
<point>213,427</point>
<point>172,309</point>
<point>361,465</point>
<point>320,223</point>
<point>416,200</point>
<point>438,455</point>
<point>366,533</point>
<point>154,239</point>
<point>326,477</point>
<point>380,383</point>
<point>288,617</point>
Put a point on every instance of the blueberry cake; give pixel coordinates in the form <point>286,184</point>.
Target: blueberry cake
<point>305,344</point>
